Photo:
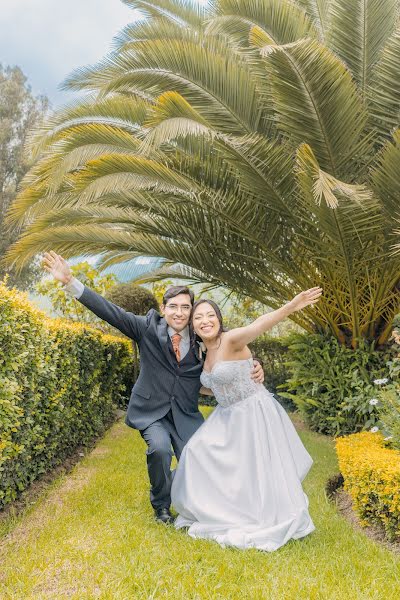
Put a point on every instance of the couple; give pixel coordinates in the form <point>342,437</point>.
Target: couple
<point>239,475</point>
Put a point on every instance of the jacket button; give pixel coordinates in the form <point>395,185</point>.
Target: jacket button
<point>172,397</point>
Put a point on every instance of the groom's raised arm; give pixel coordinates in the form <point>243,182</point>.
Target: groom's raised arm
<point>129,324</point>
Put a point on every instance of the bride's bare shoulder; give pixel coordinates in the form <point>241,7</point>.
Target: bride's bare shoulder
<point>228,348</point>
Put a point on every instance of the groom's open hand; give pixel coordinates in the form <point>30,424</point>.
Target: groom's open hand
<point>257,373</point>
<point>57,266</point>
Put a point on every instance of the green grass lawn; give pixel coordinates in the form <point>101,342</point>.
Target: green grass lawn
<point>93,536</point>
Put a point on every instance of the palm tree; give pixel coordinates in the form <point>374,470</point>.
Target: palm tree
<point>257,144</point>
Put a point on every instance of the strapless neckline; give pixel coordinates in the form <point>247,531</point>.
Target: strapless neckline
<point>222,362</point>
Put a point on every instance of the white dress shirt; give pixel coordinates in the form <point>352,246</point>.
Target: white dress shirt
<point>184,344</point>
<point>74,288</point>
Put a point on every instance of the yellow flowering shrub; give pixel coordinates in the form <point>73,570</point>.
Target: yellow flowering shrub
<point>59,385</point>
<point>371,474</point>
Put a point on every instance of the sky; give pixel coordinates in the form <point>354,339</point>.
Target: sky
<point>50,38</point>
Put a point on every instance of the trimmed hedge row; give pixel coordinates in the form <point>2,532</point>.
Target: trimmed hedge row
<point>60,383</point>
<point>371,474</point>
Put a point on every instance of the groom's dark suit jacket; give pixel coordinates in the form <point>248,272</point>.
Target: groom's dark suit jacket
<point>163,384</point>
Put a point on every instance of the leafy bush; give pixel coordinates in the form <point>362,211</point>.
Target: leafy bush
<point>65,305</point>
<point>133,298</point>
<point>389,414</point>
<point>59,385</point>
<point>273,352</point>
<point>207,401</point>
<point>332,385</point>
<point>388,396</point>
<point>372,477</point>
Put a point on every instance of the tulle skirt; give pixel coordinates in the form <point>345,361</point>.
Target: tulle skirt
<point>239,478</point>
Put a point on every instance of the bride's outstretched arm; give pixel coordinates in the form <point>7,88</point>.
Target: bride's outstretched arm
<point>240,337</point>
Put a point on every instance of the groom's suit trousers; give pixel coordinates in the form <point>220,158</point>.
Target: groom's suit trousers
<point>159,436</point>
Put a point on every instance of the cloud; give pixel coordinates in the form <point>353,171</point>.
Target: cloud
<point>48,38</point>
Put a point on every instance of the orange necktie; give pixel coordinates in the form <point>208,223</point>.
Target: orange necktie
<point>176,340</point>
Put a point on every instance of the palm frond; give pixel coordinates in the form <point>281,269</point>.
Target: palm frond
<point>182,12</point>
<point>358,31</point>
<point>218,85</point>
<point>385,178</point>
<point>175,271</point>
<point>112,112</point>
<point>384,93</point>
<point>317,102</point>
<point>281,21</point>
<point>318,10</point>
<point>145,29</point>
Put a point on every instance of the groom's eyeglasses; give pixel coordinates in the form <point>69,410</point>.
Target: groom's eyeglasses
<point>185,308</point>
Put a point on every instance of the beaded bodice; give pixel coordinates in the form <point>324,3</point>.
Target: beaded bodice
<point>230,381</point>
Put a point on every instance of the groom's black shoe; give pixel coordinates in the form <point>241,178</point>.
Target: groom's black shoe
<point>162,515</point>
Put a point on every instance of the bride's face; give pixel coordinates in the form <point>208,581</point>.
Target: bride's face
<point>205,322</point>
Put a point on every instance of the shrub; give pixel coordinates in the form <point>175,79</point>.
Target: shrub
<point>59,385</point>
<point>273,352</point>
<point>332,385</point>
<point>388,396</point>
<point>389,414</point>
<point>372,477</point>
<point>133,298</point>
<point>207,401</point>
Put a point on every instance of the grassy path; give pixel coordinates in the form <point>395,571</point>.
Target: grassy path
<point>93,536</point>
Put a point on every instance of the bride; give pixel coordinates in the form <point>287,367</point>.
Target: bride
<point>239,477</point>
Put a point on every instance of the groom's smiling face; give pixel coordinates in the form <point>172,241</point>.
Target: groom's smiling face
<point>177,311</point>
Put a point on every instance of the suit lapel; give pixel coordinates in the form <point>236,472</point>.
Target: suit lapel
<point>162,332</point>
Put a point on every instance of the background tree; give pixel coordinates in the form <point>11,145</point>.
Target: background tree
<point>158,288</point>
<point>66,306</point>
<point>257,143</point>
<point>20,112</point>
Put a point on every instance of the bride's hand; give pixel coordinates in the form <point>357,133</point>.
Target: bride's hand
<point>305,298</point>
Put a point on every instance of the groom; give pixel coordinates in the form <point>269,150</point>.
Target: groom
<point>164,400</point>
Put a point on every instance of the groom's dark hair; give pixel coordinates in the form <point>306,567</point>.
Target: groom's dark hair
<point>175,290</point>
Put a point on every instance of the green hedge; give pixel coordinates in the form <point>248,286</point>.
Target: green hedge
<point>59,386</point>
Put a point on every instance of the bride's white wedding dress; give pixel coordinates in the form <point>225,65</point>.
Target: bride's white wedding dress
<point>239,477</point>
